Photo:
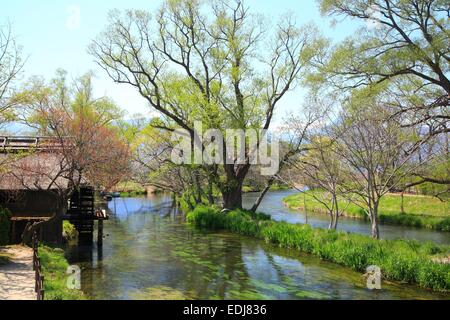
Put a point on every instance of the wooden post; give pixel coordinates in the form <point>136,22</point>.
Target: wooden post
<point>100,233</point>
<point>42,288</point>
<point>13,235</point>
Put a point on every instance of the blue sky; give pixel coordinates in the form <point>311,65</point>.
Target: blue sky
<point>53,37</point>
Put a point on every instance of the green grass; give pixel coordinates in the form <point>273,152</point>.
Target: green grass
<point>132,194</point>
<point>400,260</point>
<point>275,187</point>
<point>420,211</point>
<point>130,189</point>
<point>54,267</point>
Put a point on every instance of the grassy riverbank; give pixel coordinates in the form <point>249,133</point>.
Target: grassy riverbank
<point>54,266</point>
<point>400,260</point>
<point>419,211</point>
<point>276,187</point>
<point>130,189</point>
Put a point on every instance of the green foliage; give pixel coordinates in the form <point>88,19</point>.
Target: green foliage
<point>69,231</point>
<point>54,266</point>
<point>438,169</point>
<point>420,211</point>
<point>401,260</point>
<point>5,224</point>
<point>205,217</point>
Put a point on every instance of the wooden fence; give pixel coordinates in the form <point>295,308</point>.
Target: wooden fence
<point>39,278</point>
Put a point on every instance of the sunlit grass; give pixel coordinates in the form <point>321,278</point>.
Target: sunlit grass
<point>54,267</point>
<point>130,189</point>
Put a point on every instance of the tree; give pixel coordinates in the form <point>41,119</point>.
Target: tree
<point>85,146</point>
<point>432,173</point>
<point>403,51</point>
<point>208,63</point>
<point>406,51</point>
<point>152,165</point>
<point>82,125</point>
<point>411,39</point>
<point>376,154</point>
<point>10,66</point>
<point>296,132</point>
<point>322,171</point>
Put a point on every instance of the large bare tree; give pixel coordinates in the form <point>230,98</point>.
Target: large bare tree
<point>377,154</point>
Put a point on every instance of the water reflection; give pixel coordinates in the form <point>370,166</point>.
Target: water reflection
<point>150,253</point>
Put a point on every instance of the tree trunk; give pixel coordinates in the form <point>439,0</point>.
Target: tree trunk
<point>375,230</point>
<point>374,221</point>
<point>335,225</point>
<point>402,207</point>
<point>210,193</point>
<point>335,213</point>
<point>262,195</point>
<point>260,199</point>
<point>198,197</point>
<point>232,195</point>
<point>232,198</point>
<point>232,189</point>
<point>330,226</point>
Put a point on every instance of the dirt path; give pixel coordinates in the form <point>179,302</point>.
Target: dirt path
<point>17,277</point>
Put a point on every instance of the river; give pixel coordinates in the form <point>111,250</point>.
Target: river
<point>151,253</point>
<point>273,204</point>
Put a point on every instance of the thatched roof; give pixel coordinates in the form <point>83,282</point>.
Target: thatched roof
<point>32,171</point>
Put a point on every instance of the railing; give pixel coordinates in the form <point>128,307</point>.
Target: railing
<point>31,143</point>
<point>39,278</point>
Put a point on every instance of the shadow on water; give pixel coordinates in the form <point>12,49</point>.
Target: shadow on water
<point>151,253</point>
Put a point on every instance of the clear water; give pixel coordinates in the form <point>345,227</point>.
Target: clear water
<point>151,253</point>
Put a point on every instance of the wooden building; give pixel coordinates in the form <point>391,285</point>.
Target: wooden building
<point>31,185</point>
<point>34,187</point>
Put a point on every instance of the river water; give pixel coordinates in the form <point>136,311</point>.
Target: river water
<point>151,253</point>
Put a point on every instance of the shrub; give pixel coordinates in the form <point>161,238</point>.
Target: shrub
<point>401,260</point>
<point>69,231</point>
<point>443,225</point>
<point>54,266</point>
<point>5,224</point>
